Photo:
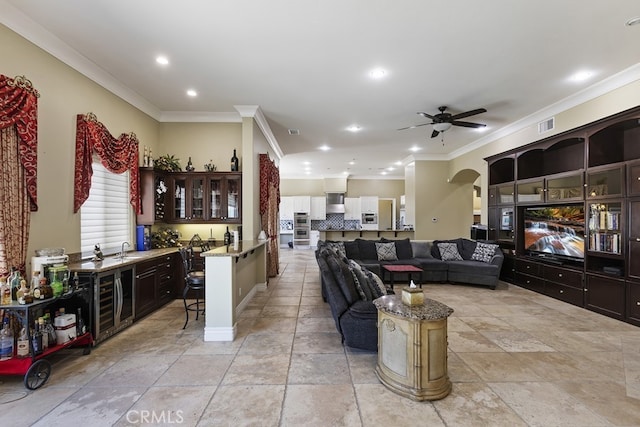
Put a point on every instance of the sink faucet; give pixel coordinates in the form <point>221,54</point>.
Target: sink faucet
<point>122,252</point>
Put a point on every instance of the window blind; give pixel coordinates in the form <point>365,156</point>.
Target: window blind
<point>105,217</point>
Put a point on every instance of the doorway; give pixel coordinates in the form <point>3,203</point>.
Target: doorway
<point>386,215</point>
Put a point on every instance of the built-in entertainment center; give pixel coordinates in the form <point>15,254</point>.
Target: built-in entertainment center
<point>566,212</point>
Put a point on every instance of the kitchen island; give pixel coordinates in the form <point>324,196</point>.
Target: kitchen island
<point>233,274</point>
<point>351,234</point>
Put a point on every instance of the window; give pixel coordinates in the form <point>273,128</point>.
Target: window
<point>105,217</point>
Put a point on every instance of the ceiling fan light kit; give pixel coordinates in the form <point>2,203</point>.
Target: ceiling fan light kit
<point>442,121</point>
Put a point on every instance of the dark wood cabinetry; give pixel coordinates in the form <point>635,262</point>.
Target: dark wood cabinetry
<point>155,283</point>
<point>151,201</point>
<point>210,197</point>
<point>596,169</point>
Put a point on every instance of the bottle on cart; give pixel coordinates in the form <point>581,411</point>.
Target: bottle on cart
<point>50,330</point>
<point>6,341</point>
<point>227,237</point>
<point>80,327</point>
<point>65,283</point>
<point>44,332</point>
<point>14,282</point>
<point>75,281</point>
<point>36,339</point>
<point>5,291</point>
<point>234,162</point>
<point>22,347</point>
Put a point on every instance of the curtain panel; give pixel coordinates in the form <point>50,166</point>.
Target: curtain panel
<point>116,154</point>
<point>19,108</point>
<point>269,205</point>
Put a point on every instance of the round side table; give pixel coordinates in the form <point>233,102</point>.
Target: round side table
<point>412,347</point>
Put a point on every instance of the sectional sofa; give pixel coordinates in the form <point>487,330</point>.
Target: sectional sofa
<point>350,276</point>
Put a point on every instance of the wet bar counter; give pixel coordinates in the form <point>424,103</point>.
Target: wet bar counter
<point>233,274</point>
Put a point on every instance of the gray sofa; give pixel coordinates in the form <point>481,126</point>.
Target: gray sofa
<point>479,262</point>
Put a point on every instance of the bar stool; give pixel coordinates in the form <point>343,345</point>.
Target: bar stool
<point>193,281</point>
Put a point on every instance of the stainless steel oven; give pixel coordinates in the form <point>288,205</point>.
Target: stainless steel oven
<point>301,234</point>
<point>301,219</point>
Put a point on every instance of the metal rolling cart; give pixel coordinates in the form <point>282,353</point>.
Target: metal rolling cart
<point>36,368</point>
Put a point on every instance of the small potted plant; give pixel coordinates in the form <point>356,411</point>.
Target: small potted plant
<point>167,163</point>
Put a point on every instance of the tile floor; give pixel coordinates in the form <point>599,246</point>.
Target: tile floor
<point>516,359</point>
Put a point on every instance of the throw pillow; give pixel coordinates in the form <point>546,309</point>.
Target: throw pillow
<point>352,249</point>
<point>378,288</point>
<point>361,281</point>
<point>421,249</point>
<point>403,247</point>
<point>449,252</point>
<point>386,251</point>
<point>484,252</point>
<point>338,247</point>
<point>367,249</point>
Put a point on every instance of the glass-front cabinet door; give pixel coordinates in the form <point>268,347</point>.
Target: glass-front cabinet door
<point>225,198</point>
<point>605,225</point>
<point>179,206</point>
<point>565,188</point>
<point>233,198</point>
<point>197,199</point>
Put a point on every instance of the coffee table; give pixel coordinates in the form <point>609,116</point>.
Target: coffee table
<point>401,268</point>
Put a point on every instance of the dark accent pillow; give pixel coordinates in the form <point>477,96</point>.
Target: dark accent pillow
<point>467,249</point>
<point>352,250</point>
<point>386,251</point>
<point>421,249</point>
<point>367,249</point>
<point>403,248</point>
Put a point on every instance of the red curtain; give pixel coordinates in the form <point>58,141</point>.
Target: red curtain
<point>117,155</point>
<point>269,205</point>
<point>19,107</point>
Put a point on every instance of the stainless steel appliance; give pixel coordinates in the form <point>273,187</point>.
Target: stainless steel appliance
<point>113,301</point>
<point>301,229</point>
<point>369,218</point>
<point>335,203</point>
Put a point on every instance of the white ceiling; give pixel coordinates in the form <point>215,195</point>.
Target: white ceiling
<point>306,65</point>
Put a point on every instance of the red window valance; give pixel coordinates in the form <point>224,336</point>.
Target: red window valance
<point>117,155</point>
<point>19,107</point>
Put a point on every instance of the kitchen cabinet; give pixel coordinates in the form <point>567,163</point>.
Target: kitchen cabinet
<point>151,201</point>
<point>155,282</point>
<point>369,204</point>
<point>145,289</point>
<point>286,208</point>
<point>352,208</point>
<point>318,208</point>
<point>204,197</point>
<point>302,204</point>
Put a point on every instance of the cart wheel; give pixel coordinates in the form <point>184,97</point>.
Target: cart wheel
<point>86,350</point>
<point>38,374</point>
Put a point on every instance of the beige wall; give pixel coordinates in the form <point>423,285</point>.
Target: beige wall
<point>64,93</point>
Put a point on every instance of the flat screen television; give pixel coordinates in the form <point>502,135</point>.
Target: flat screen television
<point>555,231</point>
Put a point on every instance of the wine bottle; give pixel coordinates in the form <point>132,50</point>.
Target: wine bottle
<point>227,237</point>
<point>234,162</point>
<point>6,341</point>
<point>80,328</point>
<point>36,339</point>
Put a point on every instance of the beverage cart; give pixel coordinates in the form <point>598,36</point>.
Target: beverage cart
<point>36,368</point>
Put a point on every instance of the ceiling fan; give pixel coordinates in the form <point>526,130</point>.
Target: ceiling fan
<point>443,121</point>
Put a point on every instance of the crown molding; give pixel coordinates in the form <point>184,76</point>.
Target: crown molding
<point>199,117</point>
<point>256,113</point>
<point>600,88</point>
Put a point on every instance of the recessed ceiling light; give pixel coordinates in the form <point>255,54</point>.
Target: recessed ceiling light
<point>354,128</point>
<point>390,169</point>
<point>345,172</point>
<point>352,162</point>
<point>414,148</point>
<point>192,93</point>
<point>581,76</point>
<point>162,60</point>
<point>377,73</point>
<point>324,147</point>
<point>383,173</point>
<point>633,21</point>
<point>398,163</point>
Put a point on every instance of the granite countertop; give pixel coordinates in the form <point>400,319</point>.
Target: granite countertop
<point>430,310</point>
<point>243,247</point>
<point>113,261</point>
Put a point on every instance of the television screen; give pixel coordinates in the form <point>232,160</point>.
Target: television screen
<point>556,230</point>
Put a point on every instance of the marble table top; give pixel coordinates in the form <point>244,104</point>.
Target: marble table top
<point>429,310</point>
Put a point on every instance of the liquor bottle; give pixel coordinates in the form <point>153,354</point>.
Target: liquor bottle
<point>234,162</point>
<point>65,283</point>
<point>80,328</point>
<point>22,347</point>
<point>50,330</point>
<point>5,292</point>
<point>75,281</point>
<point>227,237</point>
<point>189,167</point>
<point>44,333</point>
<point>6,341</point>
<point>36,339</point>
<point>14,282</point>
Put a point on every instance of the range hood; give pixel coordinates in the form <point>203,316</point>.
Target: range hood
<point>335,203</point>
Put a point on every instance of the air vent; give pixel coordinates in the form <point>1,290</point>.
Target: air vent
<point>546,125</point>
<point>294,132</point>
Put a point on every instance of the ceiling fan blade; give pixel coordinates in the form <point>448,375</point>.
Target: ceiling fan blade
<point>434,133</point>
<point>415,126</point>
<point>467,124</point>
<point>468,114</point>
<point>428,116</point>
